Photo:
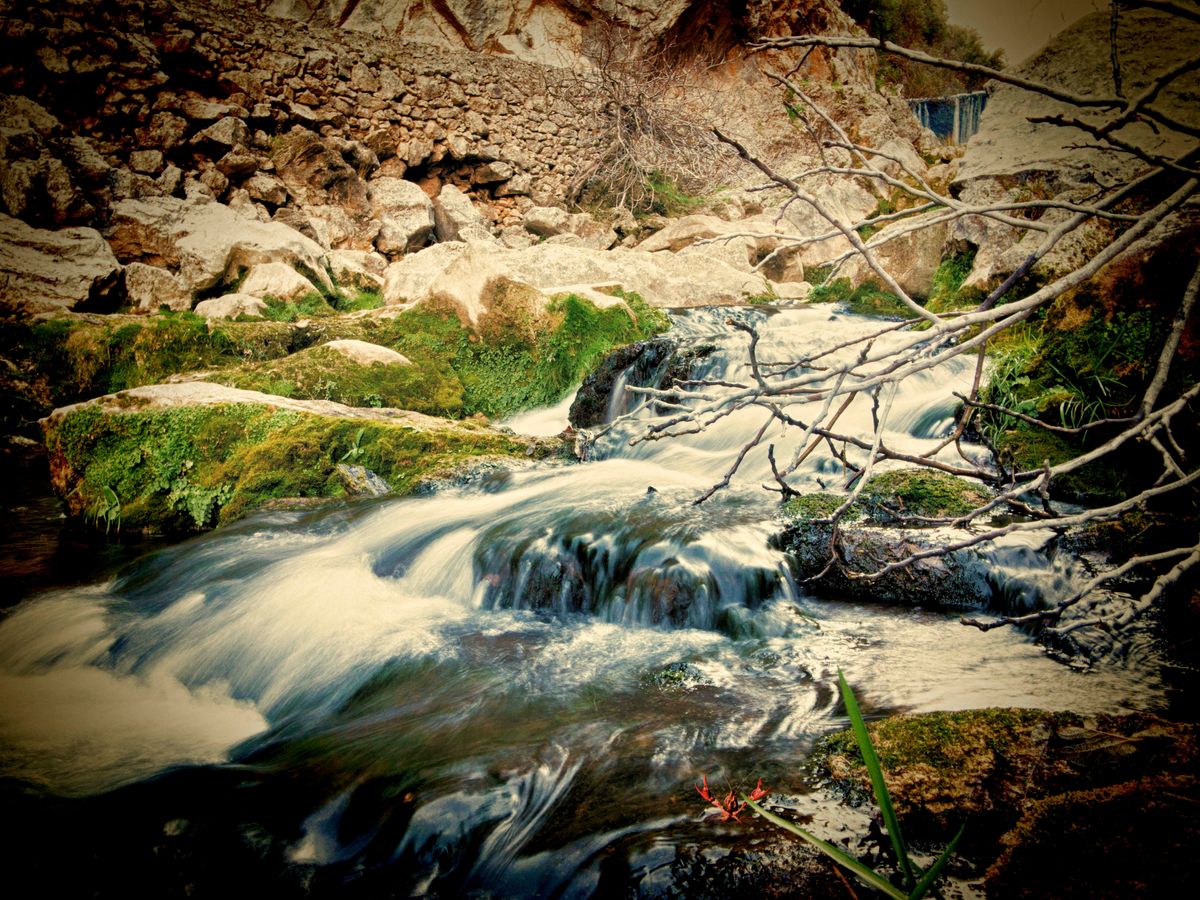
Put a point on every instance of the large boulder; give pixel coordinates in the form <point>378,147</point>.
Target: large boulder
<point>42,270</point>
<point>276,280</point>
<point>147,288</point>
<point>405,214</point>
<point>911,257</point>
<point>317,175</point>
<point>457,218</point>
<point>207,243</point>
<point>357,269</point>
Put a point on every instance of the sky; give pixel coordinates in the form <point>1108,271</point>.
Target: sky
<point>1019,27</point>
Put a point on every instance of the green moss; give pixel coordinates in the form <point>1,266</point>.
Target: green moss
<point>867,299</point>
<point>818,506</point>
<point>817,275</point>
<point>358,301</point>
<point>306,307</point>
<point>920,492</point>
<point>191,468</point>
<point>320,373</point>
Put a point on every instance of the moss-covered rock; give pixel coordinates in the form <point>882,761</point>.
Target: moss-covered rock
<point>870,538</point>
<point>185,457</point>
<point>323,373</point>
<point>1058,804</point>
<point>926,493</point>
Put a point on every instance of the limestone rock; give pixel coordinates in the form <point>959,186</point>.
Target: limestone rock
<point>267,189</point>
<point>231,306</point>
<point>357,269</point>
<point>315,174</point>
<point>405,213</point>
<point>366,353</point>
<point>546,221</point>
<point>276,280</point>
<point>42,270</point>
<point>457,218</point>
<point>911,258</point>
<point>663,279</point>
<point>42,167</point>
<point>360,481</point>
<point>206,243</point>
<point>228,132</point>
<point>149,287</point>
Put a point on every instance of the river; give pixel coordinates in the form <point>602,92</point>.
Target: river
<point>505,688</point>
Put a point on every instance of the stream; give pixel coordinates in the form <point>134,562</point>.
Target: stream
<point>505,688</point>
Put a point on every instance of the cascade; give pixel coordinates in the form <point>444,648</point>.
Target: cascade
<point>503,687</point>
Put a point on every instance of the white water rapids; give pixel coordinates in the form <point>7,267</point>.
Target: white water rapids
<point>451,685</point>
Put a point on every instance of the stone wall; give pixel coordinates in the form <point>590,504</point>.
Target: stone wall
<point>142,81</point>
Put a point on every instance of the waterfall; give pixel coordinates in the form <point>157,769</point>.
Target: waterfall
<point>953,118</point>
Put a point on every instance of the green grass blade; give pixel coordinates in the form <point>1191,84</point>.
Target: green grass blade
<point>930,876</point>
<point>890,822</point>
<point>868,876</point>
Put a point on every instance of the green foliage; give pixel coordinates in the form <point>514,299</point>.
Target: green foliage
<point>666,197</point>
<point>817,275</point>
<point>868,299</point>
<point>106,509</point>
<point>946,293</point>
<point>916,883</point>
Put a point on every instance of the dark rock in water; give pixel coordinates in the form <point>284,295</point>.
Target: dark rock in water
<point>954,581</point>
<point>360,481</point>
<point>592,401</point>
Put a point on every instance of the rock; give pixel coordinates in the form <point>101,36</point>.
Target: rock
<point>843,198</point>
<point>276,280</point>
<point>177,482</point>
<point>215,181</point>
<point>230,306</point>
<point>36,182</point>
<point>147,288</point>
<point>317,175</point>
<point>201,110</point>
<point>903,151</point>
<point>268,189</point>
<point>357,269</point>
<point>236,166</point>
<point>362,482</point>
<point>42,270</point>
<point>546,221</point>
<point>405,213</point>
<point>228,132</point>
<point>490,173</point>
<point>662,279</point>
<point>685,232</point>
<point>366,353</point>
<point>457,218</point>
<point>639,364</point>
<point>207,243</point>
<point>147,162</point>
<point>911,258</point>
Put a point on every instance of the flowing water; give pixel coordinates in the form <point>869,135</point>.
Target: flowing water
<point>507,688</point>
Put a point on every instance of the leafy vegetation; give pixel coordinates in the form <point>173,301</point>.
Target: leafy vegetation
<point>309,305</point>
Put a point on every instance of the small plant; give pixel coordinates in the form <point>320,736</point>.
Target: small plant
<point>728,805</point>
<point>107,510</point>
<point>355,451</point>
<point>917,883</point>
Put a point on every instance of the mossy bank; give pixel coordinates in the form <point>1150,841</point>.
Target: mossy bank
<point>186,457</point>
